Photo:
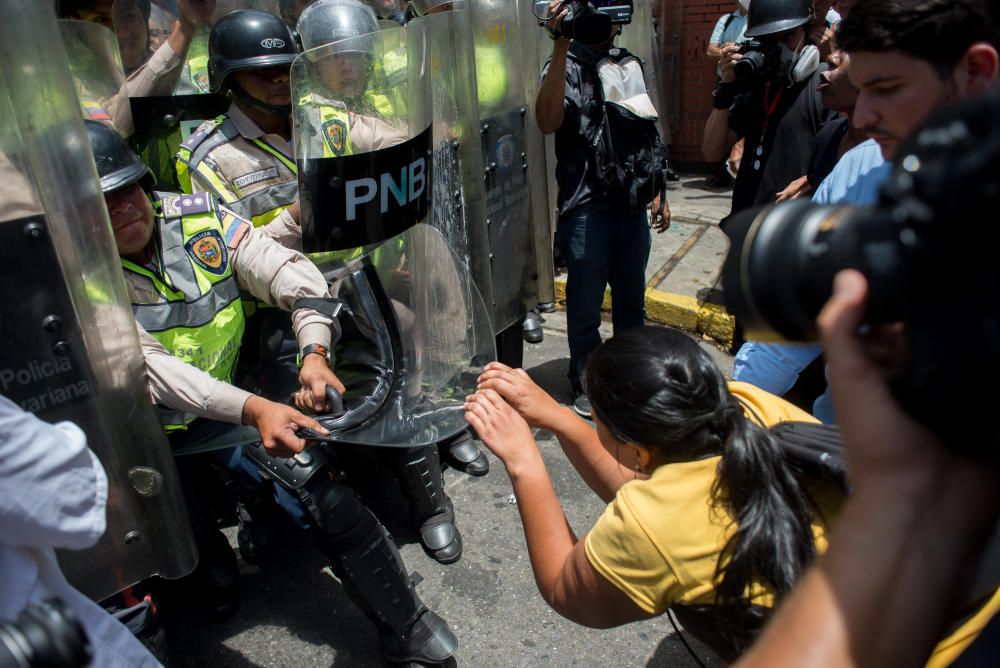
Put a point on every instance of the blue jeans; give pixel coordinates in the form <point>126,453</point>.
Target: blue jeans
<point>601,248</point>
<point>775,367</point>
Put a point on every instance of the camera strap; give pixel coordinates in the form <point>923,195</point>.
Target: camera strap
<point>770,107</point>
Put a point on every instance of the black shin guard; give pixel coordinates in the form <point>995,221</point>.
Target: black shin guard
<point>422,484</point>
<point>371,569</point>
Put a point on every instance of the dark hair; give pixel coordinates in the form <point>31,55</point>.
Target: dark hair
<point>938,31</point>
<point>657,388</point>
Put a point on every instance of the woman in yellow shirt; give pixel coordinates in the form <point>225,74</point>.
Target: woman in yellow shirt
<point>702,509</point>
<point>703,515</point>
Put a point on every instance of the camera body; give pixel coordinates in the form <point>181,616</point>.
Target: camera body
<point>927,250</point>
<point>761,60</point>
<point>589,21</point>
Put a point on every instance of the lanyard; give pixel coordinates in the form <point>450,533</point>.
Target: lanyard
<point>769,109</point>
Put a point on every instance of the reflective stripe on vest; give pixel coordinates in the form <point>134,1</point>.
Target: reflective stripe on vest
<point>260,207</point>
<point>201,322</point>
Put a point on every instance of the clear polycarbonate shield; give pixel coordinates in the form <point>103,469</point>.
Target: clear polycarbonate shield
<point>98,78</point>
<point>543,219</point>
<point>167,74</point>
<point>417,333</point>
<point>503,115</point>
<point>362,135</point>
<point>416,338</point>
<point>70,348</point>
<point>459,194</point>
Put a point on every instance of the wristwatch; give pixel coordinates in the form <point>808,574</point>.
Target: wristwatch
<point>314,348</point>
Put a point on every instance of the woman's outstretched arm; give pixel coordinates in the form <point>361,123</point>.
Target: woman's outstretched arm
<point>564,576</point>
<point>579,440</point>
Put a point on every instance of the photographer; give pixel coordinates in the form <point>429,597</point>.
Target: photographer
<point>906,558</point>
<point>767,95</point>
<point>907,538</point>
<point>908,59</point>
<point>54,492</point>
<point>603,236</point>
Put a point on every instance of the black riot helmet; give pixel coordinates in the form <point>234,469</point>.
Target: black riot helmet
<point>767,17</point>
<point>118,166</point>
<point>247,40</point>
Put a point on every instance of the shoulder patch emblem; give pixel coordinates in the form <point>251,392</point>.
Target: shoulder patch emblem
<point>335,134</point>
<point>208,252</point>
<point>194,204</point>
<point>201,133</point>
<point>234,228</point>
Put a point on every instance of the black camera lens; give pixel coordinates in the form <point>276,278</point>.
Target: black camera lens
<point>780,268</point>
<point>750,65</point>
<point>45,634</point>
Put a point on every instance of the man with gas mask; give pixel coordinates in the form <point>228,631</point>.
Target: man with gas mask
<point>603,234</point>
<point>185,257</point>
<point>767,95</point>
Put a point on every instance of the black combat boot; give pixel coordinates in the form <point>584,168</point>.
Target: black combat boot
<point>422,484</point>
<point>462,453</point>
<point>375,578</point>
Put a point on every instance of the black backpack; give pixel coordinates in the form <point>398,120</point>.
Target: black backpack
<point>630,159</point>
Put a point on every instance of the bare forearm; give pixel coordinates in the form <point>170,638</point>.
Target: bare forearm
<point>549,105</point>
<point>180,37</point>
<point>716,136</point>
<point>882,593</point>
<point>547,533</point>
<point>714,52</point>
<point>579,441</point>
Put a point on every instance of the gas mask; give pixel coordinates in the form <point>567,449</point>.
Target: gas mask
<point>800,64</point>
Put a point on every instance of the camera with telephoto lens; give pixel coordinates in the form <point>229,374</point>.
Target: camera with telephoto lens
<point>588,21</point>
<point>760,60</point>
<point>928,252</point>
<point>45,635</point>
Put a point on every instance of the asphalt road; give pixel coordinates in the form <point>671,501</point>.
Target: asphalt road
<point>294,613</point>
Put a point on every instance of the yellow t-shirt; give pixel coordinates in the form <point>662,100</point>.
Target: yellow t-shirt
<point>659,540</point>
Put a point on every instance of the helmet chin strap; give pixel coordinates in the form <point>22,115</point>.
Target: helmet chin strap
<point>250,101</point>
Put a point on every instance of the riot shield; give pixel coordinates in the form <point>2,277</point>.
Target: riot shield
<point>500,67</point>
<point>416,332</point>
<point>168,90</point>
<point>458,189</point>
<point>98,77</point>
<point>543,208</point>
<point>70,348</point>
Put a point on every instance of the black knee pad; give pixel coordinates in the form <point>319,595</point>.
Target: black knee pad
<point>343,521</point>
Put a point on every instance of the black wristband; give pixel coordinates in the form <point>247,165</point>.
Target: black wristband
<point>723,96</point>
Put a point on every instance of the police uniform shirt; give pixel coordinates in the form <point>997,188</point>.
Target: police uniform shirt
<point>17,195</point>
<point>157,76</point>
<point>268,271</point>
<point>245,168</point>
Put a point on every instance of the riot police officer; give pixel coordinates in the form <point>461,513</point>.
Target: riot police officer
<point>185,257</point>
<point>245,158</point>
<point>345,76</point>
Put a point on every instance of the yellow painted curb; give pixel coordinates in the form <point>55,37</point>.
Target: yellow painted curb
<point>674,310</point>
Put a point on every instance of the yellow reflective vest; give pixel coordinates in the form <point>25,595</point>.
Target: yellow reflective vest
<point>262,206</point>
<point>199,317</point>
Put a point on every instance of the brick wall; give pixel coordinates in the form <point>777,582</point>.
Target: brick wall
<point>691,21</point>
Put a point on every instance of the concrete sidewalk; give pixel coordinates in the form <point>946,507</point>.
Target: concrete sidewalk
<point>685,263</point>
